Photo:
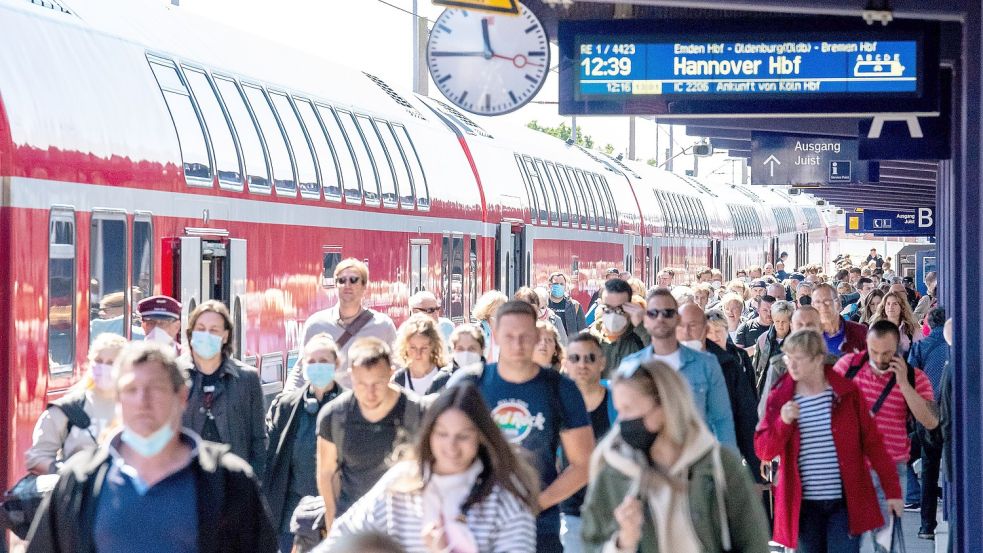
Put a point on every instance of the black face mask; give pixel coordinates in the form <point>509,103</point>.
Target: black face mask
<point>635,434</point>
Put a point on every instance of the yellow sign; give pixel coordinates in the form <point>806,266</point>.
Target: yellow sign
<point>497,6</point>
<point>854,222</point>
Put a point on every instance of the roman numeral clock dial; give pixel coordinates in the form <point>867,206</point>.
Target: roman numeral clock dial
<point>488,64</point>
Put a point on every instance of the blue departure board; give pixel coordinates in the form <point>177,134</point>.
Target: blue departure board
<point>791,65</point>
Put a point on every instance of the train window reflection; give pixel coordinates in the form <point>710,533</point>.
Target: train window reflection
<point>366,171</point>
<point>254,156</point>
<point>387,180</point>
<point>190,134</point>
<point>551,191</point>
<point>276,144</point>
<point>420,187</point>
<point>108,296</point>
<point>303,156</point>
<point>142,266</point>
<point>404,182</point>
<point>545,207</point>
<point>223,145</point>
<point>563,191</point>
<point>61,291</point>
<point>344,154</point>
<point>533,202</point>
<point>326,161</point>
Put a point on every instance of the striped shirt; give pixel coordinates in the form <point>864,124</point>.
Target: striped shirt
<point>819,466</point>
<point>501,523</point>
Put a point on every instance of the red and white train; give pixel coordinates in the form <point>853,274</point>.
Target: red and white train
<point>144,151</point>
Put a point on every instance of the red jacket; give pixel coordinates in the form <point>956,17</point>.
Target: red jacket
<point>854,339</point>
<point>856,439</point>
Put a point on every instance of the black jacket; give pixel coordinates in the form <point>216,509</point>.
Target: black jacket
<point>238,410</point>
<point>743,401</point>
<point>748,332</point>
<point>443,375</point>
<point>231,513</point>
<point>281,428</point>
<point>768,347</point>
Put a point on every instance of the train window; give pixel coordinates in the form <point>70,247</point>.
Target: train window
<point>530,190</point>
<point>551,192</point>
<point>307,179</point>
<point>227,162</point>
<point>190,133</point>
<point>419,262</point>
<point>690,214</point>
<point>704,221</point>
<point>456,292</point>
<point>326,159</point>
<point>108,295</point>
<point>602,183</point>
<point>344,154</point>
<point>284,181</point>
<point>563,191</point>
<point>387,179</point>
<point>593,184</point>
<point>599,208</point>
<point>142,257</point>
<point>253,153</point>
<point>404,182</point>
<point>537,183</point>
<point>579,214</point>
<point>420,187</point>
<point>61,290</point>
<point>472,274</point>
<point>366,170</point>
<point>591,207</point>
<point>331,257</point>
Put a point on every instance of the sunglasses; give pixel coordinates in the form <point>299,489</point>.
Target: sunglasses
<point>588,358</point>
<point>664,313</point>
<point>349,280</point>
<point>427,310</point>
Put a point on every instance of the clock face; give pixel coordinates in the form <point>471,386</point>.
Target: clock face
<point>488,64</point>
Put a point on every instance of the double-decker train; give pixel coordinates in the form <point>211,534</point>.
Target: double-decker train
<point>145,151</point>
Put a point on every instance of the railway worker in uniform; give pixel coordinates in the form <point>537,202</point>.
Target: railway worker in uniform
<point>584,363</point>
<point>154,486</point>
<point>893,390</point>
<point>349,319</point>
<point>160,319</point>
<point>422,354</point>
<point>660,482</point>
<point>467,346</point>
<point>818,424</point>
<point>461,489</point>
<point>568,309</point>
<point>426,303</point>
<point>77,420</point>
<point>359,431</point>
<point>291,426</point>
<point>700,369</point>
<point>841,336</point>
<point>619,329</point>
<point>226,401</point>
<point>537,409</point>
<point>484,314</point>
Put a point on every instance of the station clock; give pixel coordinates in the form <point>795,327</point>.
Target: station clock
<point>488,64</point>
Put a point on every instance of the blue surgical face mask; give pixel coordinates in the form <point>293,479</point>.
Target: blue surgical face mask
<point>557,291</point>
<point>205,344</point>
<point>148,446</point>
<point>319,374</point>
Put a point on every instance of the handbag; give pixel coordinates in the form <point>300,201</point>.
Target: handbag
<point>22,501</point>
<point>897,536</point>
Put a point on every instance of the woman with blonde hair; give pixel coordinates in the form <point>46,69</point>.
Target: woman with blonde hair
<point>548,352</point>
<point>421,351</point>
<point>668,483</point>
<point>76,420</point>
<point>895,308</point>
<point>484,314</point>
<point>463,490</point>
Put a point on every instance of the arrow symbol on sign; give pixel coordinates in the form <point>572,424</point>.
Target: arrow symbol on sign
<point>772,160</point>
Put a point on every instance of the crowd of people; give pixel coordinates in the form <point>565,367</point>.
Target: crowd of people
<point>702,416</point>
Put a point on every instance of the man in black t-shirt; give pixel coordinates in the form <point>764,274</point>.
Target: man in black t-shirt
<point>359,430</point>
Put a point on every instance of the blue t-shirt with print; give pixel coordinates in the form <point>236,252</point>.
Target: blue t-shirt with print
<point>524,413</point>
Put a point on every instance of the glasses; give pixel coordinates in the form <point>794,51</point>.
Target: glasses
<point>427,310</point>
<point>353,280</point>
<point>587,357</point>
<point>612,309</point>
<point>664,313</point>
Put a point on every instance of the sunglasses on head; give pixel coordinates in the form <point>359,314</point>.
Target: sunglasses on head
<point>587,357</point>
<point>427,310</point>
<point>664,313</point>
<point>349,280</point>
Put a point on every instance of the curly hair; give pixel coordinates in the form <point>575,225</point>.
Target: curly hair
<point>420,325</point>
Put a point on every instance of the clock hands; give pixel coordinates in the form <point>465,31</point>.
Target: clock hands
<point>518,60</point>
<point>457,54</point>
<point>488,53</point>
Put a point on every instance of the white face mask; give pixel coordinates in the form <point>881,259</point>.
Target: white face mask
<point>102,376</point>
<point>159,336</point>
<point>615,322</point>
<point>693,344</point>
<point>466,358</point>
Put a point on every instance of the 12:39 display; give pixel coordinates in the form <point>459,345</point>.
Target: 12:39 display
<point>613,66</point>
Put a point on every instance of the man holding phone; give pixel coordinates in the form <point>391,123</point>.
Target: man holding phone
<point>892,390</point>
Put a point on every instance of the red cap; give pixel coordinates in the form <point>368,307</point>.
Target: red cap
<point>160,306</point>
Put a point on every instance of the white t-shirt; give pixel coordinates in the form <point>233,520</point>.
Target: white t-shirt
<point>674,359</point>
<point>421,385</point>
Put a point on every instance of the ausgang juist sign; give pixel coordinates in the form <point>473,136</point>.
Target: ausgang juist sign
<point>779,159</point>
